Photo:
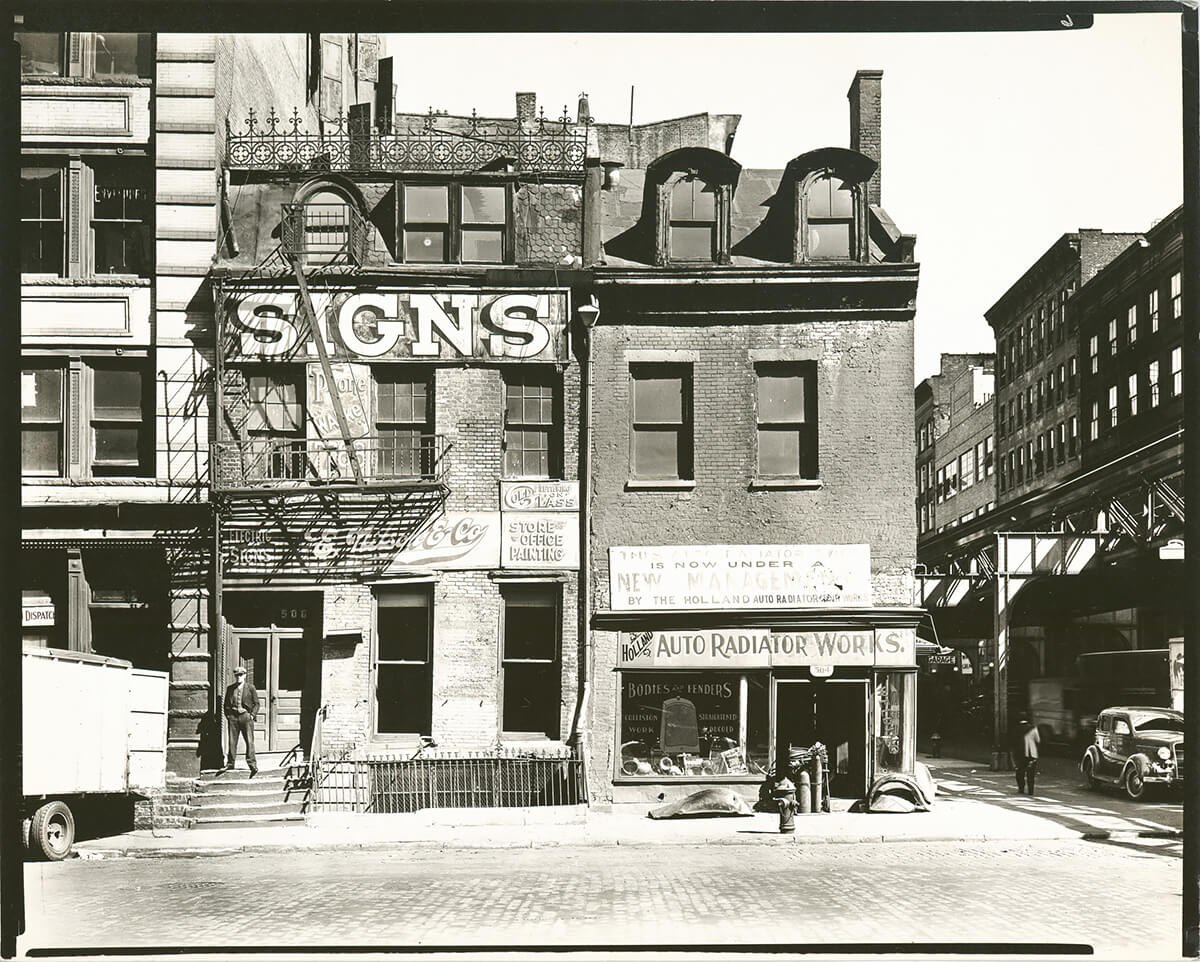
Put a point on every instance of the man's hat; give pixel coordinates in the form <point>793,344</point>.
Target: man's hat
<point>240,670</point>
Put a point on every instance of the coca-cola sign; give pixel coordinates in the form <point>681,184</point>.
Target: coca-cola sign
<point>455,541</point>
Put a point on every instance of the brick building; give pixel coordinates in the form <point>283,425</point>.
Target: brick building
<point>749,469</point>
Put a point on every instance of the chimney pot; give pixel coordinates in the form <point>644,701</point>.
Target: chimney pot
<point>583,115</point>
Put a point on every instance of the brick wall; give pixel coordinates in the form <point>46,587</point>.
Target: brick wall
<point>346,666</point>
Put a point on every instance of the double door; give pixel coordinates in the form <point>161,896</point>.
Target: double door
<point>275,663</point>
<point>834,712</point>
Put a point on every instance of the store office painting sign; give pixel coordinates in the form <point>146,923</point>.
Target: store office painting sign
<point>752,648</point>
<point>403,325</point>
<point>739,576</point>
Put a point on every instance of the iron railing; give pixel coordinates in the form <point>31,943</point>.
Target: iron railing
<point>274,462</point>
<point>506,779</point>
<point>465,144</point>
<point>323,233</point>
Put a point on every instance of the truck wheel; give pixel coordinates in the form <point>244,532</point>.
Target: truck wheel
<point>53,831</point>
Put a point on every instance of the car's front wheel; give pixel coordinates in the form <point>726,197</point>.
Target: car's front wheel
<point>1135,784</point>
<point>1089,771</point>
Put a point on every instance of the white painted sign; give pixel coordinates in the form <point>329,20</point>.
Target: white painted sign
<point>821,671</point>
<point>539,495</point>
<point>759,648</point>
<point>539,540</point>
<point>455,541</point>
<point>739,576</point>
<point>33,616</point>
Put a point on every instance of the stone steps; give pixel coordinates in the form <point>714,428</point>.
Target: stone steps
<point>233,799</point>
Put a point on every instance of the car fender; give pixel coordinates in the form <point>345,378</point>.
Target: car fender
<point>1140,761</point>
<point>1093,753</point>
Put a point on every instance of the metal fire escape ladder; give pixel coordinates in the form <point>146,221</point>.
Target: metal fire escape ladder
<point>310,318</point>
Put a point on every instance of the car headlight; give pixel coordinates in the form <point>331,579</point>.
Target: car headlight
<point>1164,753</point>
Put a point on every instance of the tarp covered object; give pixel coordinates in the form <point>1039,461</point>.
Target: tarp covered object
<point>898,792</point>
<point>710,801</point>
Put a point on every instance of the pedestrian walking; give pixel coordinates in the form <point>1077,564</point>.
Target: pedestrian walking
<point>241,707</point>
<point>1025,750</point>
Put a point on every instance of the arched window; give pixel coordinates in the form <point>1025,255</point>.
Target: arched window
<point>693,189</point>
<point>830,205</point>
<point>324,225</point>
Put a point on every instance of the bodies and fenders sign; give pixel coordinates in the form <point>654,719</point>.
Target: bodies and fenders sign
<point>383,324</point>
<point>776,576</point>
<point>756,648</point>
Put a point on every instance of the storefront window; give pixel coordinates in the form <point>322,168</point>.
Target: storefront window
<point>895,721</point>
<point>693,724</point>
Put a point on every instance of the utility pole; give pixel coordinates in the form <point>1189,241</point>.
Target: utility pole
<point>1191,485</point>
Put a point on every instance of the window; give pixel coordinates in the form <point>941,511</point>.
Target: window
<point>1062,384</point>
<point>1013,418</point>
<point>693,223</point>
<point>275,425</point>
<point>1152,310</point>
<point>107,56</point>
<point>690,724</point>
<point>1112,336</point>
<point>404,661</point>
<point>941,485</point>
<point>952,479</point>
<point>1029,404</point>
<point>1131,324</point>
<point>531,425</point>
<point>1177,295</point>
<point>1094,354</point>
<point>455,223</point>
<point>966,468</point>
<point>1050,449</point>
<point>989,447</point>
<point>787,421</point>
<point>1133,394</point>
<point>108,234</point>
<point>111,406</point>
<point>1041,395</point>
<point>42,421</point>
<point>1039,456</point>
<point>1062,442</point>
<point>1177,371</point>
<point>661,443</point>
<point>120,213</point>
<point>532,669</point>
<point>1152,382</point>
<point>403,415</point>
<point>1020,406</point>
<point>1074,448</point>
<point>331,78</point>
<point>830,218</point>
<point>1020,464</point>
<point>1113,411</point>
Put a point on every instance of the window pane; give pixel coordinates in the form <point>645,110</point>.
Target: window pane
<point>532,698</point>
<point>41,247</point>
<point>429,204</point>
<point>41,394</point>
<point>780,397</point>
<point>119,248</point>
<point>40,54</point>
<point>41,192</point>
<point>691,243</point>
<point>404,699</point>
<point>40,450</point>
<point>275,404</point>
<point>483,205</point>
<point>656,454</point>
<point>829,240</point>
<point>841,199</point>
<point>819,199</point>
<point>425,246</point>
<point>483,245</point>
<point>404,627</point>
<point>122,55</point>
<point>693,200</point>
<point>779,453</point>
<point>117,444</point>
<point>121,190</point>
<point>531,624</point>
<point>658,399</point>
<point>117,392</point>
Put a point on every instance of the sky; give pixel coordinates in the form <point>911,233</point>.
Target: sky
<point>994,145</point>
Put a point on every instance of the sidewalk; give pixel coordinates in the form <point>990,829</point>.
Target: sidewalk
<point>952,819</point>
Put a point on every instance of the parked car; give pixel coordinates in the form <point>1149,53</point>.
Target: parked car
<point>1135,747</point>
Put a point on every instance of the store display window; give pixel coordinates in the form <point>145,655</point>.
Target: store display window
<point>693,724</point>
<point>895,721</point>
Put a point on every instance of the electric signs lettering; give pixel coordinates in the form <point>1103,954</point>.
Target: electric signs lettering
<point>404,325</point>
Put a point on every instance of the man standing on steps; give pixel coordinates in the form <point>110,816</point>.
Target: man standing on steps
<point>241,706</point>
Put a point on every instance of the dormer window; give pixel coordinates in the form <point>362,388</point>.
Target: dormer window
<point>693,227</point>
<point>325,226</point>
<point>456,223</point>
<point>830,205</point>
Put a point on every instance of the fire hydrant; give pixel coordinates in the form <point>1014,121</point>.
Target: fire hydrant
<point>785,796</point>
<point>935,745</point>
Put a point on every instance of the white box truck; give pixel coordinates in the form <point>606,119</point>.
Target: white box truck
<point>92,728</point>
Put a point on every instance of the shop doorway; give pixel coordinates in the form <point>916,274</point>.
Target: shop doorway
<point>275,663</point>
<point>832,711</point>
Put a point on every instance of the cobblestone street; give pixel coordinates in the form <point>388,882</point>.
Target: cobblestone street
<point>1046,892</point>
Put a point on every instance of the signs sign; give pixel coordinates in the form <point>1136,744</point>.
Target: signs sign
<point>539,495</point>
<point>757,648</point>
<point>400,325</point>
<point>540,540</point>
<point>739,576</point>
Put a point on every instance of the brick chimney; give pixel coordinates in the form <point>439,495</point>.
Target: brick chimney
<point>865,96</point>
<point>526,107</point>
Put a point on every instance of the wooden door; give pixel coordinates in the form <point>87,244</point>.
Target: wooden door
<point>275,664</point>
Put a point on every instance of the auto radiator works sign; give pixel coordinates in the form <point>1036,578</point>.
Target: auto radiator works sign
<point>401,325</point>
<point>739,576</point>
<point>751,648</point>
